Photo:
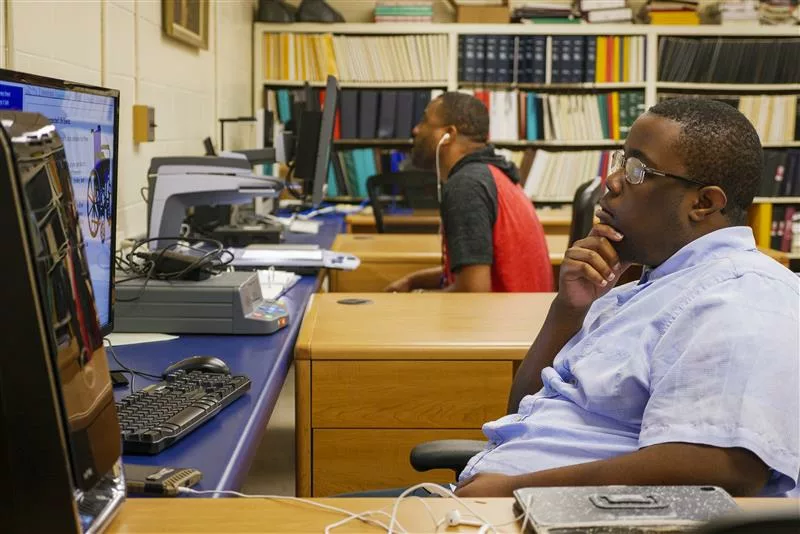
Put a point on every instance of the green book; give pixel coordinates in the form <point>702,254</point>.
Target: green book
<point>602,103</point>
<point>552,20</point>
<point>624,117</point>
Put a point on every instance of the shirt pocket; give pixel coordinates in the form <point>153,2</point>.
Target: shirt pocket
<point>612,381</point>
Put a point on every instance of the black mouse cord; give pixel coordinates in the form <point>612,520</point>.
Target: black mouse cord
<point>125,368</point>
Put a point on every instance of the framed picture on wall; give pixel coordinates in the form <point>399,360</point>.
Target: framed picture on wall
<point>186,21</point>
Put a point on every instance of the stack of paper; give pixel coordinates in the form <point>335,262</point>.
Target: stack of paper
<point>275,283</point>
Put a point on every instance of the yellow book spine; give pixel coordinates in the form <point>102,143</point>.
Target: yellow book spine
<point>615,59</point>
<point>615,115</point>
<point>331,68</point>
<point>602,55</point>
<point>267,57</point>
<point>284,54</point>
<point>760,219</point>
<point>626,59</point>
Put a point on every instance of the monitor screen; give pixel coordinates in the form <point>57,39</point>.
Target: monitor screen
<point>87,120</point>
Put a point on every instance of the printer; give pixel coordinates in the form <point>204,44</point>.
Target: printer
<point>227,303</point>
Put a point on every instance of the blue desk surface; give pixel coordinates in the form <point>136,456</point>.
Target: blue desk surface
<point>223,448</point>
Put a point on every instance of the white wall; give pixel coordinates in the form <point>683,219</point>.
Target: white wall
<point>120,44</point>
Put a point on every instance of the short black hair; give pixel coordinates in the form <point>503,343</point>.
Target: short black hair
<point>467,114</point>
<point>719,147</point>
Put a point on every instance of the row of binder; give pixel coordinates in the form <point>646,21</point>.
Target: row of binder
<point>728,60</point>
<point>538,59</point>
<point>362,114</point>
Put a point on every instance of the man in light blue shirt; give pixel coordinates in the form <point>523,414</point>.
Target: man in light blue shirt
<point>691,375</point>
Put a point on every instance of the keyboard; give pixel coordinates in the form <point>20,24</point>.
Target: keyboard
<point>157,416</point>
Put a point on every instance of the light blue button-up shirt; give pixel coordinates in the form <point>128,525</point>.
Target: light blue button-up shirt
<point>703,349</point>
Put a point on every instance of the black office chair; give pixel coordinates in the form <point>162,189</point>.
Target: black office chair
<point>417,187</point>
<point>583,205</point>
<point>784,522</point>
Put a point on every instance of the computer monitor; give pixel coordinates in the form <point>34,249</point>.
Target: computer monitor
<point>87,120</point>
<point>315,143</point>
<point>60,451</point>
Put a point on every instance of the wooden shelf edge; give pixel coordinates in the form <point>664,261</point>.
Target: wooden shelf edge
<point>776,200</point>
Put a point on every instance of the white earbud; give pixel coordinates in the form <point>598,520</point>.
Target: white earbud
<point>444,138</point>
<point>453,519</point>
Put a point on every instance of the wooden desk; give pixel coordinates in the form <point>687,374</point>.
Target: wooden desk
<point>416,222</point>
<point>388,257</point>
<point>376,379</point>
<point>198,516</point>
<point>555,221</point>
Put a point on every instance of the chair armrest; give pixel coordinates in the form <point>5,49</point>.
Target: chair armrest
<point>445,454</point>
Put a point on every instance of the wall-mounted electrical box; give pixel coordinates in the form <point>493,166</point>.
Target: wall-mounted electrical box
<point>144,124</point>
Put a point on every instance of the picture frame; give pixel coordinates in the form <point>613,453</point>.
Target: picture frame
<point>186,21</point>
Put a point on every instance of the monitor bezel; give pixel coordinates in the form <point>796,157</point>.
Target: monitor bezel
<point>56,83</point>
<point>325,144</point>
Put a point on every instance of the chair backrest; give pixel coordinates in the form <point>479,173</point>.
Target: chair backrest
<point>583,204</point>
<point>418,188</point>
<point>779,522</point>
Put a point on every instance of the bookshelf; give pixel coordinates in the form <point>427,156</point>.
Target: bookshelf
<point>652,87</point>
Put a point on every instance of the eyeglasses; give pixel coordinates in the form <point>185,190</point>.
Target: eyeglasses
<point>634,170</point>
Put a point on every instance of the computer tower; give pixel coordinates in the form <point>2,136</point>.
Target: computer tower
<point>60,449</point>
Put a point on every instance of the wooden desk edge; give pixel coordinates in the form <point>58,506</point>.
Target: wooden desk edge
<point>251,515</point>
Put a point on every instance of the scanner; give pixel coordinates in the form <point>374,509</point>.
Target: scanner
<point>176,183</point>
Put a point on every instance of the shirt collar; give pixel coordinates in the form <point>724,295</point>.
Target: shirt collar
<point>715,244</point>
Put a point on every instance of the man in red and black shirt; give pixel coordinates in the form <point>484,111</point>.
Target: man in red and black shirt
<point>491,237</point>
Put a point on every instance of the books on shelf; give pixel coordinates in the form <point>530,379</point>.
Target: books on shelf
<point>556,175</point>
<point>539,59</point>
<point>392,11</point>
<point>729,60</point>
<point>395,58</point>
<point>739,12</point>
<point>775,117</point>
<point>533,116</point>
<point>674,12</point>
<point>781,177</point>
<point>606,11</point>
<point>351,58</point>
<point>781,231</point>
<point>546,12</point>
<point>299,57</point>
<point>350,169</point>
<point>779,12</point>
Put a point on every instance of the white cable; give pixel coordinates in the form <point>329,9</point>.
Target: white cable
<point>348,513</point>
<point>444,138</point>
<point>439,490</point>
<point>361,517</point>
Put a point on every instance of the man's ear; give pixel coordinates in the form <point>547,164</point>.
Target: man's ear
<point>709,200</point>
<point>453,132</point>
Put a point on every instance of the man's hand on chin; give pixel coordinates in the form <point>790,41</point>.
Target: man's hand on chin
<point>487,485</point>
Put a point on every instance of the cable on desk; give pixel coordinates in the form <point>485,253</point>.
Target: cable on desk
<point>133,372</point>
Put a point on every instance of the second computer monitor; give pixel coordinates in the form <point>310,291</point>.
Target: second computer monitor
<point>315,143</point>
<point>87,120</point>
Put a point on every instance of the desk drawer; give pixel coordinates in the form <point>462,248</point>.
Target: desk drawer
<point>408,394</point>
<point>374,277</point>
<point>360,460</point>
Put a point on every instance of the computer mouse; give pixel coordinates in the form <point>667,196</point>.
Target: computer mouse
<point>209,364</point>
